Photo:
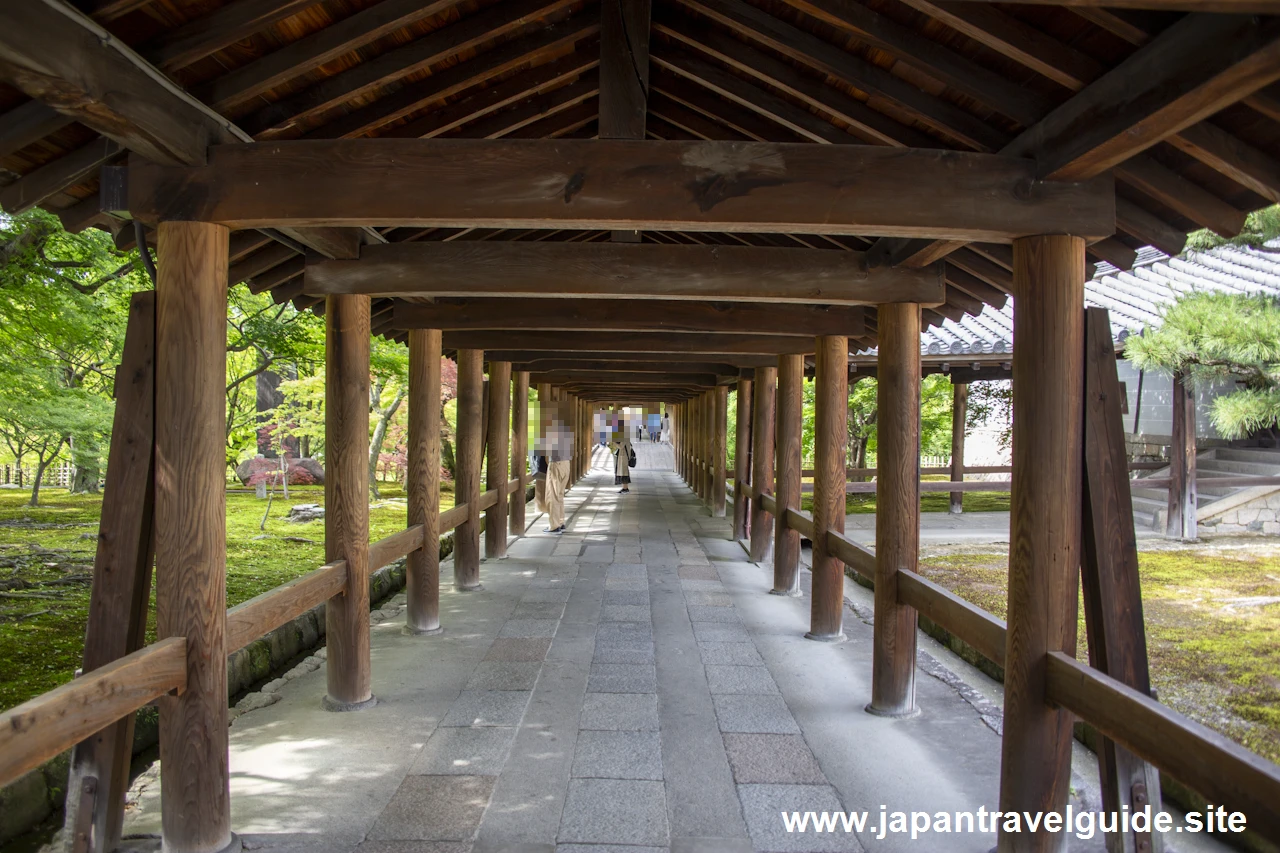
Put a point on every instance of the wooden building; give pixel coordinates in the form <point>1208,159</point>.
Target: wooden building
<point>630,201</point>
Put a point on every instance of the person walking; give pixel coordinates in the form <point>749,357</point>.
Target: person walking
<point>624,459</point>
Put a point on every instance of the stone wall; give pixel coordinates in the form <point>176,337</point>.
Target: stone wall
<point>1256,513</point>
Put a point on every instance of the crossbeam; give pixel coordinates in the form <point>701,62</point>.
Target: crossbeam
<point>646,342</point>
<point>534,359</point>
<point>627,271</point>
<point>621,185</point>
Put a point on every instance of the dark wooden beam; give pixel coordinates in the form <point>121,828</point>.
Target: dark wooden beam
<point>29,123</point>
<point>415,56</point>
<point>630,314</point>
<point>630,365</point>
<point>1238,7</point>
<point>693,186</point>
<point>629,272</point>
<point>645,342</point>
<point>624,68</point>
<point>221,28</point>
<point>1193,69</point>
<point>35,187</point>
<point>533,111</point>
<point>586,377</point>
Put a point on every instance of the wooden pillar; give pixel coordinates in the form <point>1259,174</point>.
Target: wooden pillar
<point>499,445</point>
<point>466,537</point>
<point>893,656</point>
<point>422,567</point>
<point>1180,521</point>
<point>790,409</point>
<point>708,445</point>
<point>695,437</point>
<point>191,530</point>
<point>519,449</point>
<point>762,455</point>
<point>830,449</point>
<point>719,451</point>
<point>959,408</point>
<point>742,460</point>
<point>346,499</point>
<point>1044,526</point>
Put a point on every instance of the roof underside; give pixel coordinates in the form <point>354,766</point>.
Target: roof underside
<point>966,76</point>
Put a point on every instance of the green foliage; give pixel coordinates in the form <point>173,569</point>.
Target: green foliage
<point>1260,227</point>
<point>1213,337</point>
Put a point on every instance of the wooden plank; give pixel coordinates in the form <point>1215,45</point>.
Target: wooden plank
<point>789,413</point>
<point>190,528</point>
<point>1148,228</point>
<point>349,673</point>
<point>624,69</point>
<point>830,448</point>
<point>299,57</point>
<point>944,118</point>
<point>361,80</point>
<point>39,729</point>
<point>266,258</point>
<point>1216,767</point>
<point>1044,556</point>
<point>390,548</point>
<point>893,675</point>
<point>43,183</point>
<point>1236,7</point>
<point>620,184</point>
<point>622,365</point>
<point>474,314</point>
<point>252,619</point>
<point>498,449</point>
<point>1109,569</point>
<point>28,123</point>
<point>452,517</point>
<point>1181,195</point>
<point>70,63</point>
<point>641,342</point>
<point>470,454</point>
<point>970,623</point>
<point>1191,70</point>
<point>219,29</point>
<point>1239,161</point>
<point>571,378</point>
<point>852,554</point>
<point>629,273</point>
<point>451,82</point>
<point>121,593</point>
<point>800,522</point>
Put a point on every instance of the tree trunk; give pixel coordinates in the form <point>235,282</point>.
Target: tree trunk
<point>447,458</point>
<point>379,435</point>
<point>41,464</point>
<point>88,470</point>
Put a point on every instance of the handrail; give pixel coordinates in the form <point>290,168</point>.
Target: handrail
<point>393,547</point>
<point>1219,769</point>
<point>769,504</point>
<point>251,619</point>
<point>513,486</point>
<point>488,499</point>
<point>967,621</point>
<point>1238,480</point>
<point>852,554</point>
<point>451,518</point>
<point>799,522</point>
<point>40,728</point>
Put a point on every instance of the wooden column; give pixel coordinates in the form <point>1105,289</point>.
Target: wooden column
<point>893,656</point>
<point>519,449</point>
<point>762,455</point>
<point>695,440</point>
<point>191,530</point>
<point>708,447</point>
<point>422,567</point>
<point>719,451</point>
<point>1180,521</point>
<point>830,449</point>
<point>742,460</point>
<point>1044,533</point>
<point>959,407</point>
<point>466,537</point>
<point>346,499</point>
<point>499,449</point>
<point>790,409</point>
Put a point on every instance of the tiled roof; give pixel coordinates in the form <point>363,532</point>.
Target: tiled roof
<point>1134,298</point>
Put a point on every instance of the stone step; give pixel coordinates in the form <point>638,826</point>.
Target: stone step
<point>1229,467</point>
<point>1248,454</point>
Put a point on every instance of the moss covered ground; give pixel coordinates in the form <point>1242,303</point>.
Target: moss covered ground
<point>1212,615</point>
<point>46,564</point>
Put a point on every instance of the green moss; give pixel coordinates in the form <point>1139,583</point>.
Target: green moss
<point>1213,632</point>
<point>865,504</point>
<point>46,559</point>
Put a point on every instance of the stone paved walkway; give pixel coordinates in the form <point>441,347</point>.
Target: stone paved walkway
<point>628,686</point>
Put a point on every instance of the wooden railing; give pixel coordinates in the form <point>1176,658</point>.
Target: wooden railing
<point>36,731</point>
<point>40,729</point>
<point>1219,769</point>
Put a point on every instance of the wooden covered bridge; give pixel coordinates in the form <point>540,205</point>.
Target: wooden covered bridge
<point>621,201</point>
